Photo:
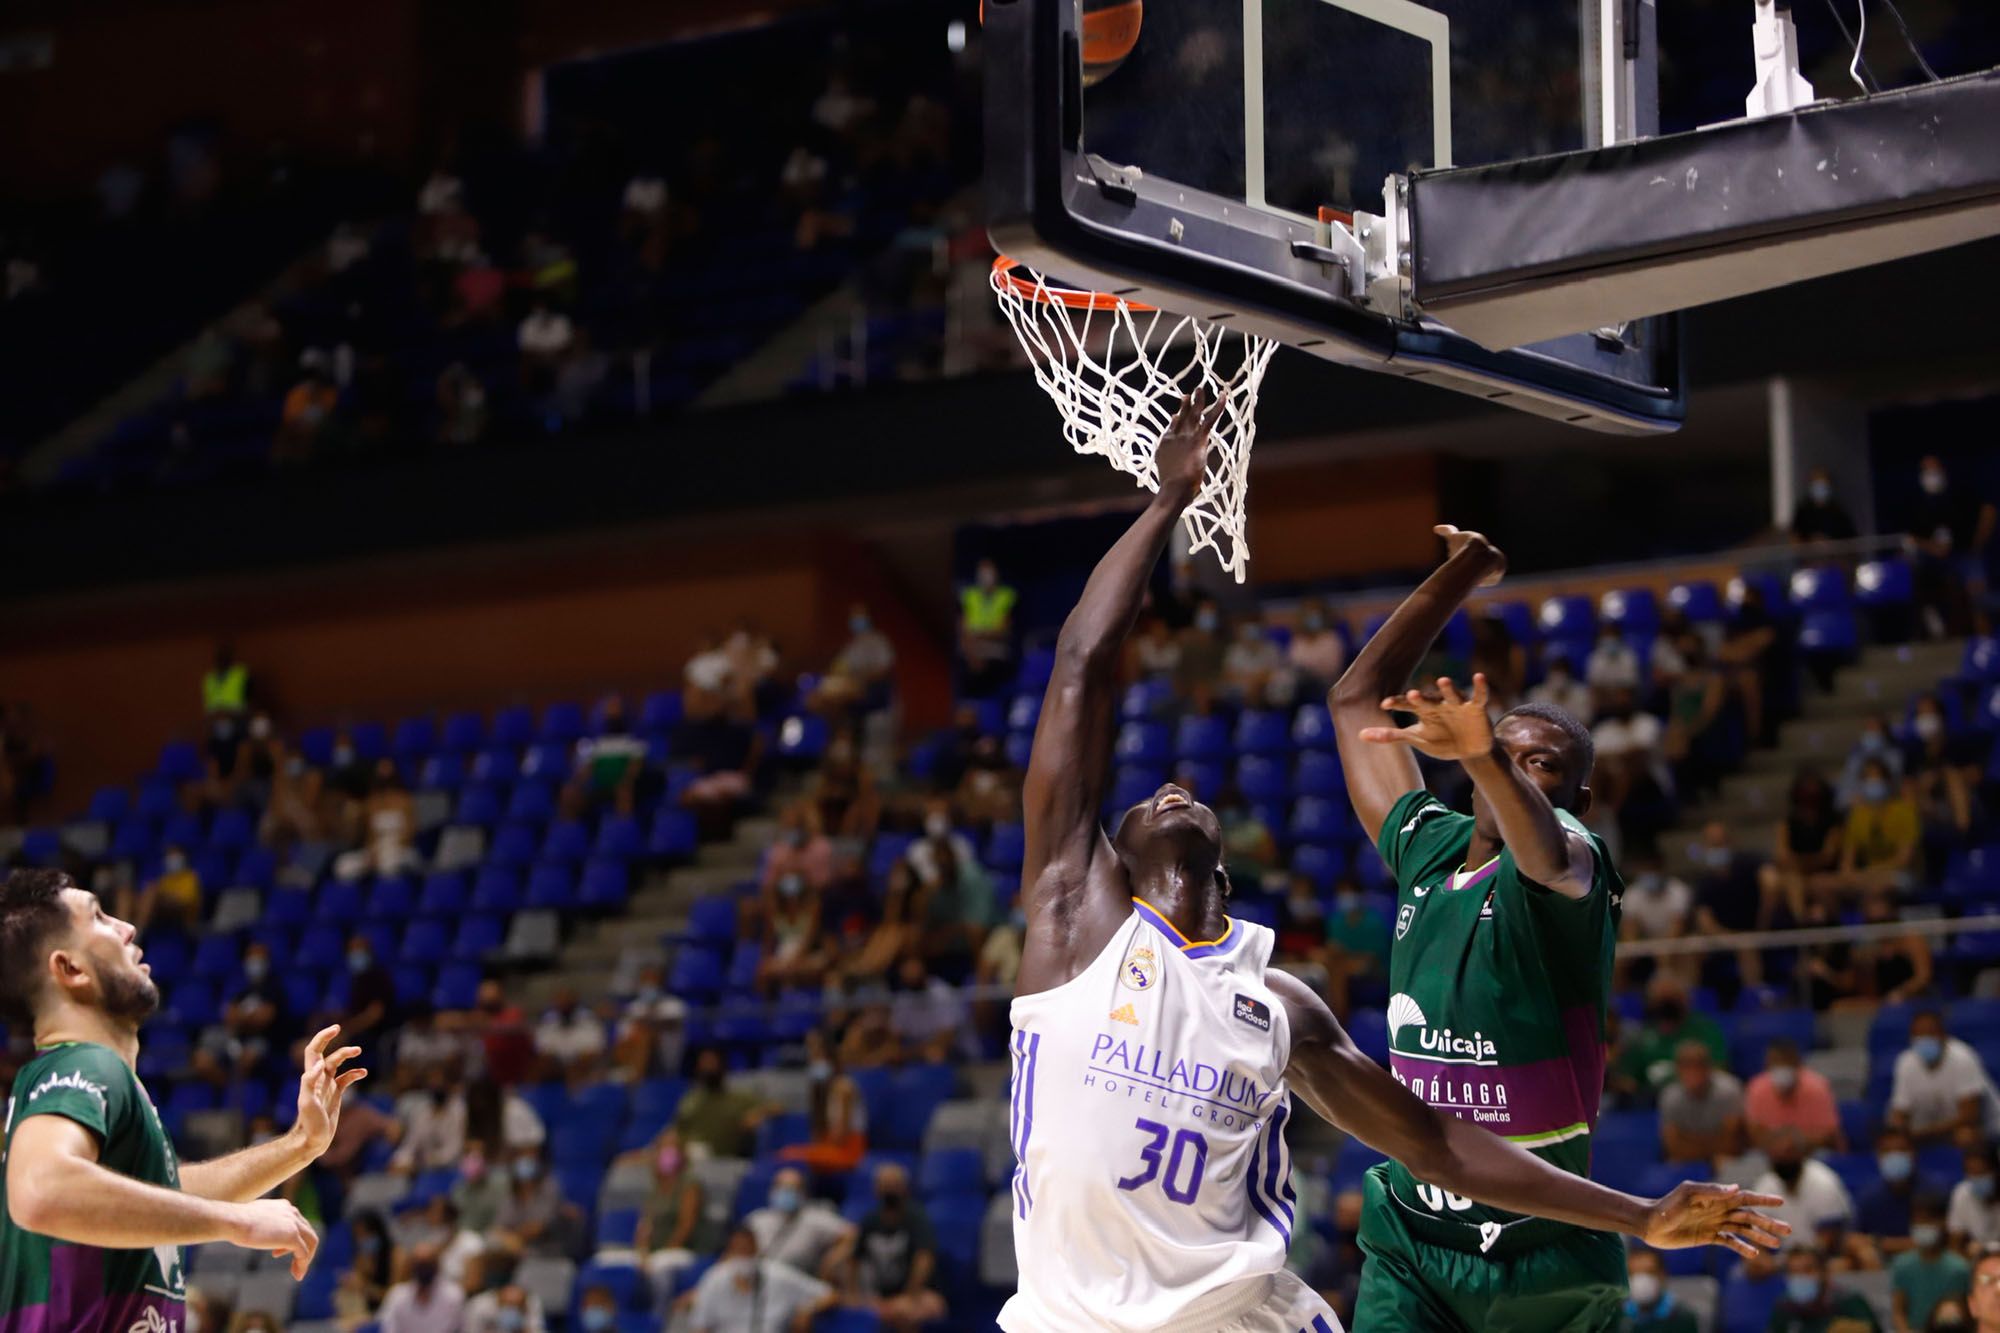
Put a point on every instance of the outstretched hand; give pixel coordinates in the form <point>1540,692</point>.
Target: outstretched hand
<point>1448,726</point>
<point>1182,456</point>
<point>320,1089</point>
<point>1473,545</point>
<point>1696,1214</point>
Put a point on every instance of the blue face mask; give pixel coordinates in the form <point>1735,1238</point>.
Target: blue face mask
<point>511,1320</point>
<point>1982,1188</point>
<point>1896,1166</point>
<point>1207,622</point>
<point>255,968</point>
<point>596,1318</point>
<point>1929,1049</point>
<point>358,960</point>
<point>1801,1288</point>
<point>526,1168</point>
<point>786,1199</point>
<point>859,624</point>
<point>1874,791</point>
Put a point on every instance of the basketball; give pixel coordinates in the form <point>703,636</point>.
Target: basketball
<point>1110,31</point>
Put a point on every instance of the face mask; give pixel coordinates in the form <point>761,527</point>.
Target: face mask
<point>1874,791</point>
<point>669,1160</point>
<point>1788,1172</point>
<point>424,1272</point>
<point>343,755</point>
<point>1645,1289</point>
<point>526,1168</point>
<point>1649,883</point>
<point>1873,742</point>
<point>859,624</point>
<point>1929,726</point>
<point>1718,858</point>
<point>790,886</point>
<point>819,1071</point>
<point>173,863</point>
<point>1348,903</point>
<point>295,767</point>
<point>260,728</point>
<point>1929,1049</point>
<point>369,1244</point>
<point>358,960</point>
<point>1206,622</point>
<point>1926,1235</point>
<point>1668,1012</point>
<point>1820,491</point>
<point>473,1167</point>
<point>1932,481</point>
<point>1801,1288</point>
<point>1785,1077</point>
<point>510,1320</point>
<point>890,1200</point>
<point>1951,1326</point>
<point>1896,1166</point>
<point>1982,1188</point>
<point>596,1318</point>
<point>255,969</point>
<point>786,1199</point>
<point>937,825</point>
<point>1314,624</point>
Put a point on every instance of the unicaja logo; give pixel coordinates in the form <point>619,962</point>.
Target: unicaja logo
<point>1443,1042</point>
<point>1403,1011</point>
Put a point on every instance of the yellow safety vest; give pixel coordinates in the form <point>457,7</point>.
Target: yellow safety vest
<point>226,691</point>
<point>986,610</point>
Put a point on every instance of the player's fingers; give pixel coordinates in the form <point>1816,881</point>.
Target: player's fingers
<point>1214,414</point>
<point>1738,1244</point>
<point>317,1046</point>
<point>1761,1201</point>
<point>340,1057</point>
<point>1479,690</point>
<point>1444,529</point>
<point>1386,736</point>
<point>1448,692</point>
<point>1746,1218</point>
<point>350,1078</point>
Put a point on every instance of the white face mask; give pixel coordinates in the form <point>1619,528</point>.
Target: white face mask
<point>1932,481</point>
<point>937,825</point>
<point>1645,1288</point>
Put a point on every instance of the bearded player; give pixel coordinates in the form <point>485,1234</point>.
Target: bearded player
<point>1155,1053</point>
<point>1499,977</point>
<point>96,1208</point>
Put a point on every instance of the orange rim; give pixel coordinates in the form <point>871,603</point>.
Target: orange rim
<point>1030,290</point>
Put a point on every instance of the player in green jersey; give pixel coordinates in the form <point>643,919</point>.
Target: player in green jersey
<point>94,1207</point>
<point>1499,976</point>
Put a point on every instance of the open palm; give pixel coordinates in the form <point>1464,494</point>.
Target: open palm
<point>321,1086</point>
<point>1448,726</point>
<point>1697,1214</point>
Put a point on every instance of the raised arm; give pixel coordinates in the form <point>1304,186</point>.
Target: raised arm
<point>1377,774</point>
<point>1068,768</point>
<point>256,1170</point>
<point>1353,1092</point>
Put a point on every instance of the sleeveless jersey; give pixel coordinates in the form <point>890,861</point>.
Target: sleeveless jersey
<point>1148,1112</point>
<point>1498,991</point>
<point>52,1284</point>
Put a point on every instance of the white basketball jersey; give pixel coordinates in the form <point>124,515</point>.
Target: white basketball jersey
<point>1148,1110</point>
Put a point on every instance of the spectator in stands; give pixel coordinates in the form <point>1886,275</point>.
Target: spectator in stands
<point>254,1321</point>
<point>1879,845</point>
<point>1973,1215</point>
<point>433,1136</point>
<point>461,405</point>
<point>652,1033</point>
<point>1559,686</point>
<point>1886,1209</point>
<point>1701,1111</point>
<point>1811,1305</point>
<point>389,825</point>
<point>1631,777</point>
<point>1317,653</point>
<point>1652,1308</point>
<point>1953,1317</point>
<point>1201,653</point>
<point>570,1038</point>
<point>507,1047</point>
<point>714,1118</point>
<point>1612,664</point>
<point>1874,744</point>
<point>802,849</point>
<point>928,1016</point>
<point>481,1190</point>
<point>362,1287</point>
<point>1789,1101</point>
<point>258,756</point>
<point>1747,658</point>
<point>225,704</point>
<point>869,1042</point>
<point>438,1224</point>
<point>743,1293</point>
<point>428,1302</point>
<point>546,339</point>
<point>894,1257</point>
<point>1949,532</point>
<point>1249,847</point>
<point>370,1014</point>
<point>171,899</point>
<point>1502,661</point>
<point>1727,898</point>
<point>607,764</point>
<point>674,1228</point>
<point>1985,1301</point>
<point>836,1114</point>
<point>1807,844</point>
<point>1895,970</point>
<point>1694,705</point>
<point>710,680</point>
<point>1816,1203</point>
<point>986,632</point>
<point>1941,1086</point>
<point>794,953</point>
<point>597,1310</point>
<point>305,426</point>
<point>1254,674</point>
<point>861,677</point>
<point>1301,919</point>
<point>999,962</point>
<point>422,1047</point>
<point>536,1220</point>
<point>1943,773</point>
<point>504,1309</point>
<point>1658,906</point>
<point>803,1235</point>
<point>1156,651</point>
<point>1819,517</point>
<point>1357,944</point>
<point>293,815</point>
<point>1647,1065</point>
<point>989,790</point>
<point>1927,1274</point>
<point>955,889</point>
<point>236,1046</point>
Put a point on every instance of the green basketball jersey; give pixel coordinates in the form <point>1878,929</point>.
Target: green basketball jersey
<point>48,1284</point>
<point>1498,990</point>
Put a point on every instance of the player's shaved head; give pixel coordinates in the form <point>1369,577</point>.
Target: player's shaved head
<point>1573,742</point>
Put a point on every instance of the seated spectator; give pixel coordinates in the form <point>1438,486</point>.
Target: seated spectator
<point>794,1232</point>
<point>422,1046</point>
<point>1816,1203</point>
<point>433,1136</point>
<point>652,1032</point>
<point>1789,1101</point>
<point>427,1302</point>
<point>1694,705</point>
<point>1807,842</point>
<point>361,1125</point>
<point>1612,664</point>
<point>297,795</point>
<point>607,764</point>
<point>361,1288</point>
<point>570,1038</point>
<point>496,1114</point>
<point>1653,1308</point>
<point>1973,1215</point>
<point>1728,900</point>
<point>1301,919</point>
<point>711,688</point>
<point>1831,973</point>
<point>1647,1064</point>
<point>1199,673</point>
<point>1748,659</point>
<point>1818,516</point>
<point>535,1221</point>
<point>1927,1274</point>
<point>1874,743</point>
<point>674,1227</point>
<point>1254,673</point>
<point>1949,533</point>
<point>869,1041</point>
<point>844,790</point>
<point>998,964</point>
<point>1879,845</point>
<point>389,824</point>
<point>956,891</point>
<point>500,1031</point>
<point>1156,652</point>
<point>794,952</point>
<point>1942,773</point>
<point>1701,1111</point>
<point>461,405</point>
<point>171,899</point>
<point>1886,1209</point>
<point>481,1190</point>
<point>597,1311</point>
<point>1941,1086</point>
<point>1658,906</point>
<point>836,1113</point>
<point>505,1309</point>
<point>928,1016</point>
<point>861,677</point>
<point>714,1118</point>
<point>986,632</point>
<point>753,664</point>
<point>1631,778</point>
<point>1502,661</point>
<point>438,1225</point>
<point>1894,970</point>
<point>236,1046</point>
<point>727,749</point>
<point>895,1257</point>
<point>1811,1305</point>
<point>1560,687</point>
<point>1249,848</point>
<point>305,424</point>
<point>255,1321</point>
<point>1317,653</point>
<point>745,1294</point>
<point>546,338</point>
<point>1956,1317</point>
<point>802,849</point>
<point>898,931</point>
<point>1357,945</point>
<point>371,1014</point>
<point>989,790</point>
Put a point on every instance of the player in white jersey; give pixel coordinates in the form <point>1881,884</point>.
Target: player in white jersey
<point>1155,1055</point>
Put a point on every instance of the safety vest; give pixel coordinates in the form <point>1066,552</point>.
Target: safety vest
<point>986,609</point>
<point>226,691</point>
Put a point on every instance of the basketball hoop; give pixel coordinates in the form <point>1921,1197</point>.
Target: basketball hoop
<point>1117,371</point>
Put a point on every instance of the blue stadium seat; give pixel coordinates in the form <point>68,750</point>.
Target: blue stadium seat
<point>1755,1032</point>
<point>1321,865</point>
<point>1018,748</point>
<point>696,976</point>
<point>495,766</point>
<point>443,894</point>
<point>655,1100</point>
<point>604,886</point>
<point>1038,664</point>
<point>567,842</point>
<point>287,908</point>
<point>1627,1134</point>
<point>41,847</point>
<point>754,1190</point>
<point>1973,877</point>
<point>477,936</point>
<point>1202,779</point>
<point>1519,619</point>
<point>478,805</point>
<point>426,943</point>
<point>1319,775</point>
<point>514,845</point>
<point>1007,847</point>
<point>496,889</point>
<point>576,1140</point>
<point>1773,588</point>
<point>1981,664</point>
<point>1830,634</point>
<point>194,1004</point>
<point>1699,602</point>
<point>414,983</point>
<point>877,1094</point>
<point>463,733</point>
<point>1568,619</point>
<point>551,887</point>
<point>1263,732</point>
<point>952,1171</point>
<point>955,1221</point>
<point>1885,583</point>
<point>257,868</point>
<point>783,1130</point>
<point>619,838</point>
<point>233,830</point>
<point>1820,589</point>
<point>674,836</point>
<point>514,727</point>
<point>624,1281</point>
<point>391,898</point>
<point>1263,780</point>
<point>1323,823</point>
<point>441,772</point>
<point>109,804</point>
<point>1635,611</point>
<point>1202,739</point>
<point>182,830</point>
<point>1145,743</point>
<point>338,903</point>
<point>802,738</point>
<point>133,840</point>
<point>917,1092</point>
<point>712,921</point>
<point>1146,698</point>
<point>662,711</point>
<point>1132,784</point>
<point>1312,728</point>
<point>181,762</point>
<point>457,986</point>
<point>1746,1305</point>
<point>216,957</point>
<point>414,740</point>
<point>562,723</point>
<point>547,762</point>
<point>848,1320</point>
<point>533,802</point>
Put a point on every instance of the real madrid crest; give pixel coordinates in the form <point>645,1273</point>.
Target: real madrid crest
<point>1141,968</point>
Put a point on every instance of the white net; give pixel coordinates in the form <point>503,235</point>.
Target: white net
<point>1118,372</point>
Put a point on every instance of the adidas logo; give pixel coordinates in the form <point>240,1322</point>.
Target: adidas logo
<point>1123,1014</point>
